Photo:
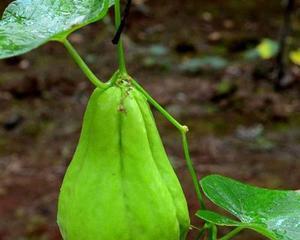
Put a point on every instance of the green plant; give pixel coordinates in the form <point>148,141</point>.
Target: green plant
<point>27,24</point>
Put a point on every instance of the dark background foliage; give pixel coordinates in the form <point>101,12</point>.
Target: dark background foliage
<point>197,58</point>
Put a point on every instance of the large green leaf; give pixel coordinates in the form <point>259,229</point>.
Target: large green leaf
<point>27,24</point>
<point>273,213</point>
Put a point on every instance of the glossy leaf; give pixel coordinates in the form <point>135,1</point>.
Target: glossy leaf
<point>216,218</point>
<point>273,213</point>
<point>27,24</point>
<point>221,220</point>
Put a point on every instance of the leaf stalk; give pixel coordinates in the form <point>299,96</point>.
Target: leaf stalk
<point>83,66</point>
<point>232,234</point>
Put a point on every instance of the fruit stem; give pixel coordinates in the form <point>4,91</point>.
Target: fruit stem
<point>232,234</point>
<point>120,49</point>
<point>183,130</point>
<point>86,70</point>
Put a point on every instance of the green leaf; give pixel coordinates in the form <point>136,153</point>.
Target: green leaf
<point>217,219</point>
<point>27,24</point>
<point>267,48</point>
<point>295,57</point>
<point>273,213</point>
<point>220,220</point>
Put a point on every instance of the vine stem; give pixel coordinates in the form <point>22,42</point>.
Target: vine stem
<point>214,232</point>
<point>191,168</point>
<point>86,70</point>
<point>232,234</point>
<point>183,130</point>
<point>120,49</point>
<point>202,232</point>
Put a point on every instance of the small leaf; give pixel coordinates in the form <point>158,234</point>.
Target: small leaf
<point>273,213</point>
<point>295,56</point>
<point>216,218</point>
<point>220,220</point>
<point>267,48</point>
<point>27,24</point>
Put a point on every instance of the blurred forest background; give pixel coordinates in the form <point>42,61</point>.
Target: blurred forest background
<point>230,70</point>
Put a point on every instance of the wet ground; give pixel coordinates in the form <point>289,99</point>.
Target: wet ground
<point>239,126</point>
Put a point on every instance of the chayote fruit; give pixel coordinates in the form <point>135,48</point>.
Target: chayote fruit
<point>120,184</point>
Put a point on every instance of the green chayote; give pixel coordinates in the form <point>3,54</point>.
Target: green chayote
<point>120,184</point>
